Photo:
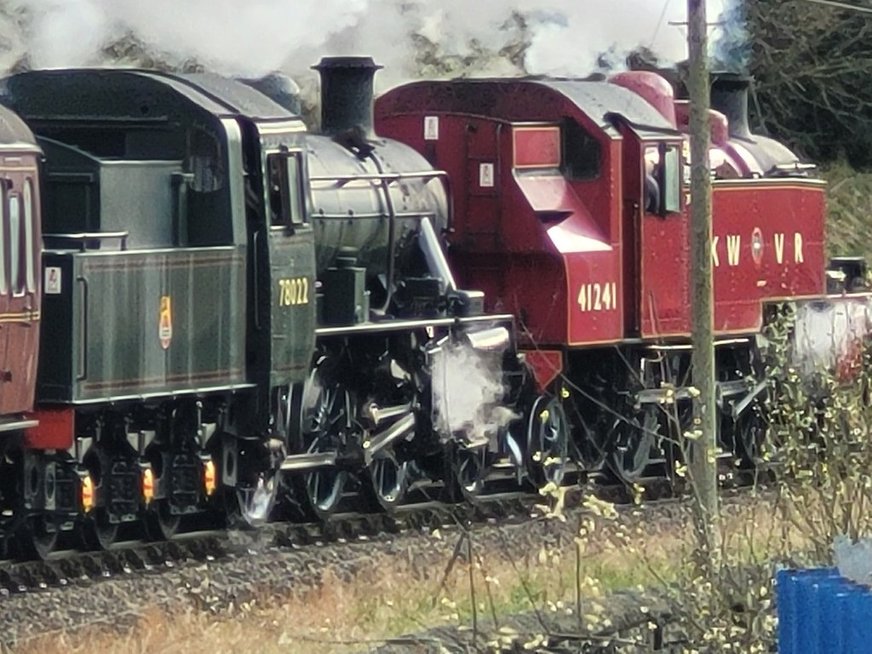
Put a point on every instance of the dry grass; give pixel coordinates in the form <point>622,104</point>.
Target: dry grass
<point>402,594</point>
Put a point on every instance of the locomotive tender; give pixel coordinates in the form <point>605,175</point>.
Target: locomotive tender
<point>236,316</point>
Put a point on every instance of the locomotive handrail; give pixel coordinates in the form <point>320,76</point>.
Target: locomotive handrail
<point>342,180</point>
<point>84,237</point>
<point>374,215</point>
<point>83,330</point>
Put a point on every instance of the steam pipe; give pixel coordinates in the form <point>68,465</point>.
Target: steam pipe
<point>435,257</point>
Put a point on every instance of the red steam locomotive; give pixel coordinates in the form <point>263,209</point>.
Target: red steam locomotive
<point>571,212</point>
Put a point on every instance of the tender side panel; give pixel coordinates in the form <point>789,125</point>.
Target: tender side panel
<point>769,240</point>
<point>767,244</point>
<point>143,323</point>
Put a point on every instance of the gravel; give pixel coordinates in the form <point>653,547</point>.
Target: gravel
<point>252,566</point>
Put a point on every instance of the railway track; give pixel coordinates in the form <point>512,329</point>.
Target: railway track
<point>68,567</point>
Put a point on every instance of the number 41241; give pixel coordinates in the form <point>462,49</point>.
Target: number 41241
<point>598,297</point>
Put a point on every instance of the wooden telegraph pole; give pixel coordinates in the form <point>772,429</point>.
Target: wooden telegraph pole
<point>701,451</point>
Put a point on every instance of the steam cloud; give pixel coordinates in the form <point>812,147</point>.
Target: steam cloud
<point>468,393</point>
<point>409,37</point>
<point>829,337</point>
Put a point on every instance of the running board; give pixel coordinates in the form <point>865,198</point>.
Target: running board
<point>15,425</point>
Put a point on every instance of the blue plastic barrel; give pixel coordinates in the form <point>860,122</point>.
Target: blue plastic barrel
<point>821,612</point>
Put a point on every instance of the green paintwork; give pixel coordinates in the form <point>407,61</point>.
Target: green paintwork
<point>111,305</point>
<point>292,257</point>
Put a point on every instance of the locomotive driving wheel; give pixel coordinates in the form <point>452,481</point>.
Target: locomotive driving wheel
<point>638,439</point>
<point>548,442</point>
<point>748,437</point>
<point>470,470</point>
<point>388,476</point>
<point>326,422</point>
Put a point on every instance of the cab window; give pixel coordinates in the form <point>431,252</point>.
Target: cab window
<point>671,179</point>
<point>29,264</point>
<point>285,186</point>
<point>662,178</point>
<point>16,260</point>
<point>581,153</point>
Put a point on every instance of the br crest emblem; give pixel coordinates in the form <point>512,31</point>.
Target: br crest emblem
<point>165,325</point>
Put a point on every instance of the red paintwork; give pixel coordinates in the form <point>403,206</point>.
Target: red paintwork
<point>56,429</point>
<point>546,247</point>
<point>19,311</point>
<point>546,366</point>
<point>651,86</point>
<point>533,224</point>
<point>537,147</point>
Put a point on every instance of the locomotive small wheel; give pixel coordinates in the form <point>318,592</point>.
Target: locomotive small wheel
<point>326,418</point>
<point>39,539</point>
<point>470,468</point>
<point>632,454</point>
<point>547,442</point>
<point>388,478</point>
<point>160,522</point>
<point>98,533</point>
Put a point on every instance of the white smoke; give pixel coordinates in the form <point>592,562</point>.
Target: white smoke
<point>562,37</point>
<point>830,336</point>
<point>468,393</point>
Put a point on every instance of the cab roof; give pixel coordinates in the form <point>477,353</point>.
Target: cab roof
<point>526,99</point>
<point>133,93</point>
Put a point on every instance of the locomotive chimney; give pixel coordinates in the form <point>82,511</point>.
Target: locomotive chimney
<point>347,94</point>
<point>279,88</point>
<point>730,97</point>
